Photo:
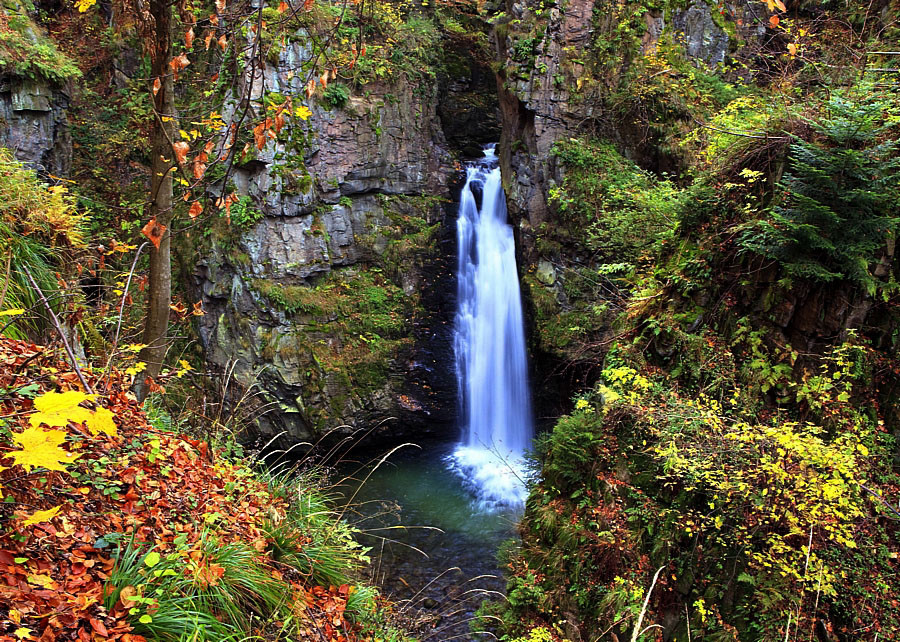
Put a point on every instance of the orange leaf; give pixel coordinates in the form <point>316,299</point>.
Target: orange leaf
<point>154,231</point>
<point>220,6</point>
<point>198,311</point>
<point>157,84</point>
<point>99,627</point>
<point>310,88</point>
<point>279,122</point>
<point>773,21</point>
<point>324,79</point>
<point>214,19</point>
<point>189,38</point>
<point>780,5</point>
<point>208,39</point>
<point>283,6</point>
<point>125,595</point>
<point>223,42</point>
<point>181,150</point>
<point>199,169</point>
<point>792,49</point>
<point>179,62</point>
<point>196,210</point>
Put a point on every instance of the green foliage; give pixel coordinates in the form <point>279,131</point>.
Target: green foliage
<point>39,226</point>
<point>336,95</point>
<point>618,209</point>
<point>243,215</point>
<point>312,538</point>
<point>838,200</point>
<point>26,51</point>
<point>206,589</point>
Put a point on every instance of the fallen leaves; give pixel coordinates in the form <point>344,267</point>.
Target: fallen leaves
<point>41,449</point>
<point>41,516</point>
<point>59,408</point>
<point>126,478</point>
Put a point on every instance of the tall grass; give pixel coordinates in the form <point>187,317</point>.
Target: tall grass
<point>216,595</point>
<point>311,537</point>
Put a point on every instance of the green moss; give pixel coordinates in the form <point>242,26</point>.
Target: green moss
<point>26,51</point>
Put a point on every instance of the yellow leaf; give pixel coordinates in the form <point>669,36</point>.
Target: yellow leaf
<point>780,5</point>
<point>41,516</point>
<point>84,5</point>
<point>13,312</point>
<point>302,112</point>
<point>23,633</point>
<point>59,408</point>
<point>140,366</point>
<point>40,448</point>
<point>102,421</point>
<point>41,580</point>
<point>185,365</point>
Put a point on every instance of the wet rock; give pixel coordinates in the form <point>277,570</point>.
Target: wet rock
<point>33,113</point>
<point>334,193</point>
<point>703,38</point>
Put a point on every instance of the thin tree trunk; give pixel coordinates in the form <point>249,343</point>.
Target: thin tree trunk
<point>159,291</point>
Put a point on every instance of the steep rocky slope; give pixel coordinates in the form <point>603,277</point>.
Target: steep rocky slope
<point>720,308</point>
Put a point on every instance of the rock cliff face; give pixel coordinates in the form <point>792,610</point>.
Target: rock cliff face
<point>332,287</point>
<point>567,71</point>
<point>34,126</point>
<point>552,85</point>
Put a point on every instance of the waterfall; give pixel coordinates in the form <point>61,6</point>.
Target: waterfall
<point>489,343</point>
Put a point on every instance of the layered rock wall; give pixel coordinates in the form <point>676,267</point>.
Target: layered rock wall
<point>329,295</point>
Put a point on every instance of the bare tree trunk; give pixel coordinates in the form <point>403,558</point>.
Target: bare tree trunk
<point>159,291</point>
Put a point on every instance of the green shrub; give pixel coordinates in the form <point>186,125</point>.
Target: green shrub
<point>336,95</point>
<point>38,227</point>
<point>26,51</point>
<point>837,203</point>
<point>618,209</point>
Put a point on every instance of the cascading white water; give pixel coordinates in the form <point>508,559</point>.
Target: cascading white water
<point>491,364</point>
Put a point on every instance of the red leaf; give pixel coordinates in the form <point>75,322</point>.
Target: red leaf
<point>154,231</point>
<point>157,84</point>
<point>773,21</point>
<point>196,210</point>
<point>283,6</point>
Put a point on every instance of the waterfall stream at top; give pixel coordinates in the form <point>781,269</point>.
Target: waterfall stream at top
<point>489,344</point>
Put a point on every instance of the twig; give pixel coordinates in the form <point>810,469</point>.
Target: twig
<point>59,329</point>
<point>636,632</point>
<point>137,255</point>
<point>881,499</point>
